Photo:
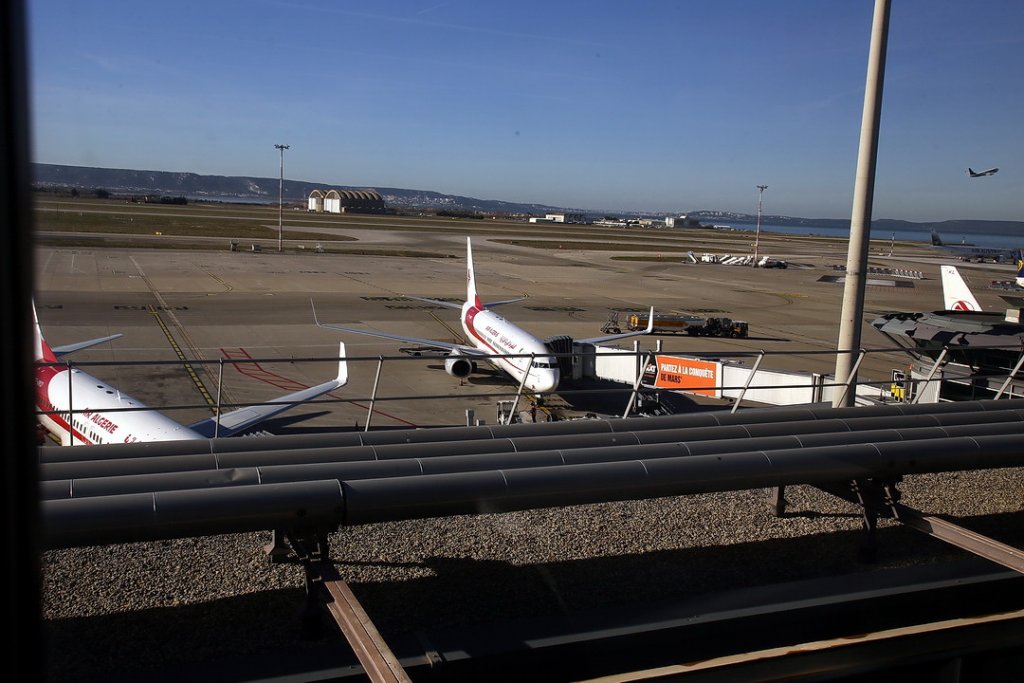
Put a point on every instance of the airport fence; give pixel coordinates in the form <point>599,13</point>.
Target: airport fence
<point>741,378</point>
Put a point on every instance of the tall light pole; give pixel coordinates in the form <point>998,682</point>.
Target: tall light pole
<point>757,235</point>
<point>280,201</point>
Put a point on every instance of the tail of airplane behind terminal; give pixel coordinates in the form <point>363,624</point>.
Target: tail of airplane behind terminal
<point>1020,268</point>
<point>956,295</point>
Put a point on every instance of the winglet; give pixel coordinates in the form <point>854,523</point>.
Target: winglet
<point>42,349</point>
<point>313,306</point>
<point>650,322</point>
<point>342,378</point>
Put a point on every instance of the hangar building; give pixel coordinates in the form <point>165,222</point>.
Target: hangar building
<point>345,201</point>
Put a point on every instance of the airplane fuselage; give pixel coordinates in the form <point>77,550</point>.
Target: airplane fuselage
<point>93,419</point>
<point>492,334</point>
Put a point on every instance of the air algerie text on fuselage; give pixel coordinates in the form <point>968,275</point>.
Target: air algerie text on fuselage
<point>80,409</point>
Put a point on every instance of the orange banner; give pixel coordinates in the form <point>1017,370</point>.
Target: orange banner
<point>684,374</point>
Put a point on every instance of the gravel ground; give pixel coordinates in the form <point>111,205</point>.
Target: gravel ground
<point>138,607</point>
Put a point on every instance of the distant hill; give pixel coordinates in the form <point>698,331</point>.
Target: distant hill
<point>249,188</point>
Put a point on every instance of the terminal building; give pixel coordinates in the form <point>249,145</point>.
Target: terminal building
<point>973,354</point>
<point>345,201</point>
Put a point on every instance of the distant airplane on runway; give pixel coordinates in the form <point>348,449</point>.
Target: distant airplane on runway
<point>78,408</point>
<point>493,339</point>
<point>971,252</point>
<point>979,174</point>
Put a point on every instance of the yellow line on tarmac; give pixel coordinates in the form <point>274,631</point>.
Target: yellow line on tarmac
<point>458,337</point>
<point>181,356</point>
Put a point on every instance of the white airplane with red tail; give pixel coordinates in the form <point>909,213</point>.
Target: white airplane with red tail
<point>524,357</point>
<point>80,409</point>
<point>956,295</point>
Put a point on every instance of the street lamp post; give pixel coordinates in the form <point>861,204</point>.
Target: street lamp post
<point>280,201</point>
<point>757,235</point>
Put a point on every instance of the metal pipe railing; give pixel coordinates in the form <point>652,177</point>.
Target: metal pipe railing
<point>918,384</point>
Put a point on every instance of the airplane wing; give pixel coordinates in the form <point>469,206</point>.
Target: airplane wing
<point>244,418</point>
<point>71,348</point>
<point>492,304</point>
<point>432,343</point>
<point>438,302</point>
<point>623,335</point>
<point>452,304</point>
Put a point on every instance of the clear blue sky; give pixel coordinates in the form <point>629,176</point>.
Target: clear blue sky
<point>660,106</point>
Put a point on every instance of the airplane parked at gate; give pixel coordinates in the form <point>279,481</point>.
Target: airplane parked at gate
<point>79,409</point>
<point>978,174</point>
<point>494,339</point>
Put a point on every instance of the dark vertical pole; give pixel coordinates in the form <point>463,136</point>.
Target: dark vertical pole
<point>22,644</point>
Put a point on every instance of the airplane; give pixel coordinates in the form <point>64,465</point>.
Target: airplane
<point>956,295</point>
<point>95,420</point>
<point>979,174</point>
<point>494,339</point>
<point>971,252</point>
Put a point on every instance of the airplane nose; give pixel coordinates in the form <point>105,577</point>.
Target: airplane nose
<point>544,381</point>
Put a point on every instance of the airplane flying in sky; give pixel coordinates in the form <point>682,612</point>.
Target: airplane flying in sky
<point>79,409</point>
<point>979,174</point>
<point>493,339</point>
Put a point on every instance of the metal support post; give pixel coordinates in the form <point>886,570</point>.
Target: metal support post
<point>636,385</point>
<point>373,396</point>
<point>777,500</point>
<point>1010,377</point>
<point>519,392</point>
<point>750,378</point>
<point>931,374</point>
<point>850,380</point>
<point>71,410</point>
<point>220,385</point>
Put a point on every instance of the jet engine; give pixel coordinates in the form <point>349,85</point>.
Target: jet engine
<point>457,365</point>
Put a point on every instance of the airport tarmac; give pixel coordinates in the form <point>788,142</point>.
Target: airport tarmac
<point>214,607</point>
<point>203,305</point>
